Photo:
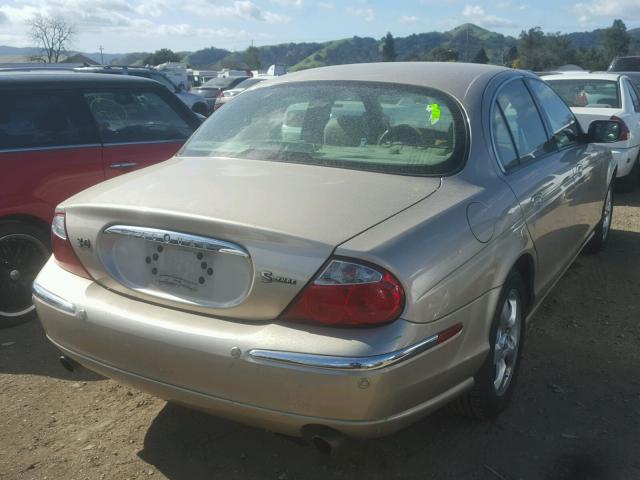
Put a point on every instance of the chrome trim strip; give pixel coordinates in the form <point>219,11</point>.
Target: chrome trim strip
<point>44,149</point>
<point>170,237</point>
<point>373,362</point>
<point>53,300</point>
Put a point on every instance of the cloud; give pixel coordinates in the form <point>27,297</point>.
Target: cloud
<point>3,18</point>
<point>243,9</point>
<point>477,15</point>
<point>288,3</point>
<point>408,19</point>
<point>367,13</point>
<point>327,5</point>
<point>596,11</point>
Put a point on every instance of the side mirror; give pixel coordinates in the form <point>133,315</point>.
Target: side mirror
<point>604,131</point>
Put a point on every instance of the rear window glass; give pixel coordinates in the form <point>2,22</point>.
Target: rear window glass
<point>588,93</point>
<point>624,64</point>
<point>223,82</point>
<point>388,128</point>
<point>126,116</point>
<point>44,119</point>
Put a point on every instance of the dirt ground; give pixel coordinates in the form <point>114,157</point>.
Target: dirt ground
<point>575,414</point>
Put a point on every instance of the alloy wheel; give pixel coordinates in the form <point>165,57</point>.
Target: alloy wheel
<point>507,342</point>
<point>606,214</point>
<point>21,258</point>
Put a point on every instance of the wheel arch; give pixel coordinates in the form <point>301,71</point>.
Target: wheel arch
<point>526,267</point>
<point>28,219</point>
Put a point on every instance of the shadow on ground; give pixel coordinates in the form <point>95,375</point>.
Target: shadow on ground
<point>575,414</point>
<point>27,351</point>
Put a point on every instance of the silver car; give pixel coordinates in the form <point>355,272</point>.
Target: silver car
<point>339,252</point>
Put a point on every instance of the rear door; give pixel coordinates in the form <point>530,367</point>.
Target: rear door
<point>634,111</point>
<point>590,172</point>
<point>542,177</point>
<point>49,150</point>
<point>138,127</point>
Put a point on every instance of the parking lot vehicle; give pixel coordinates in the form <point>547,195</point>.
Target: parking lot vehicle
<point>230,94</point>
<point>197,103</point>
<point>60,133</point>
<point>596,96</point>
<point>625,64</point>
<point>347,281</point>
<point>215,87</point>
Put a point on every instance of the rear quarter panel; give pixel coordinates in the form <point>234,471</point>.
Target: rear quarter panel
<point>34,181</point>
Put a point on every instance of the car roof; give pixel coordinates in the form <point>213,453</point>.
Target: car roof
<point>584,76</point>
<point>452,77</point>
<point>70,79</point>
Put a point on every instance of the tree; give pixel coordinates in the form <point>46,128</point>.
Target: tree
<point>511,56</point>
<point>162,56</point>
<point>616,40</point>
<point>252,58</point>
<point>52,35</point>
<point>481,56</point>
<point>531,48</point>
<point>443,54</point>
<point>388,48</point>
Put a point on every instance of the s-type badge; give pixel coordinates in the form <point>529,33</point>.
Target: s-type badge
<point>269,277</point>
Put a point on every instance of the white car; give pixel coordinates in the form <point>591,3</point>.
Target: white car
<point>607,96</point>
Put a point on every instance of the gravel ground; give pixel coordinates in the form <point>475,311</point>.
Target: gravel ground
<point>575,414</point>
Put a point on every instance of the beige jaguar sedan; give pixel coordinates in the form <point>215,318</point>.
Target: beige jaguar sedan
<point>339,252</point>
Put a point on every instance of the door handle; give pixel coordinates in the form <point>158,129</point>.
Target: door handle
<point>123,165</point>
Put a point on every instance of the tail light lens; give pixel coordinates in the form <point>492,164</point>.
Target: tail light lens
<point>623,126</point>
<point>351,294</point>
<point>62,250</point>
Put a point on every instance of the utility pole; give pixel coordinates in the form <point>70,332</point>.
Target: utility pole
<point>101,56</point>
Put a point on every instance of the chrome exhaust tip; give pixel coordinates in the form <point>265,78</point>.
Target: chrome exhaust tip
<point>68,363</point>
<point>324,439</point>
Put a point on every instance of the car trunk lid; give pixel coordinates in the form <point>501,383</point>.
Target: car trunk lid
<point>228,237</point>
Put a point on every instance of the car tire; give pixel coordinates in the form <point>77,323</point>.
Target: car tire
<point>629,182</point>
<point>495,382</point>
<point>200,109</point>
<point>601,233</point>
<point>24,249</point>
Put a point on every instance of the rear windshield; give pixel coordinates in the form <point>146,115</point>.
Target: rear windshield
<point>222,82</point>
<point>387,128</point>
<point>249,82</point>
<point>588,93</point>
<point>625,64</point>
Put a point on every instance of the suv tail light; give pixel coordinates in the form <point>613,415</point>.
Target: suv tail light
<point>62,250</point>
<point>623,126</point>
<point>348,293</point>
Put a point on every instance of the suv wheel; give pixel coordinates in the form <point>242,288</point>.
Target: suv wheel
<point>24,249</point>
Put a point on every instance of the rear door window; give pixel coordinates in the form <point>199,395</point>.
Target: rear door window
<point>524,122</point>
<point>125,116</point>
<point>564,126</point>
<point>44,119</point>
<point>635,100</point>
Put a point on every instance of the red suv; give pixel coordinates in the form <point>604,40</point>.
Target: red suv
<point>61,132</point>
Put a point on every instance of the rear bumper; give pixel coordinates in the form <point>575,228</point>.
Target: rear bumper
<point>625,159</point>
<point>207,363</point>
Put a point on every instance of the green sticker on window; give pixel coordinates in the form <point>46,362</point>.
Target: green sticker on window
<point>434,113</point>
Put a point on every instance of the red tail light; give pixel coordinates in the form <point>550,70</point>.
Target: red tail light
<point>220,94</point>
<point>623,126</point>
<point>62,249</point>
<point>349,294</point>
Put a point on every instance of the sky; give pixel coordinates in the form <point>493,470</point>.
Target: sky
<point>145,25</point>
